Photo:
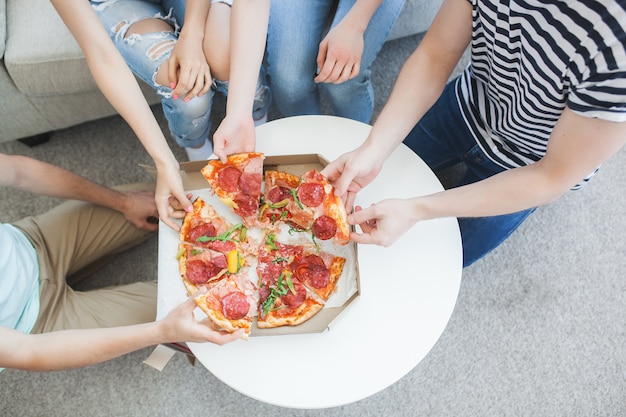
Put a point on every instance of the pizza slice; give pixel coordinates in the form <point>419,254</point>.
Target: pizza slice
<point>307,203</point>
<point>231,303</point>
<point>330,220</point>
<point>211,255</point>
<point>319,272</point>
<point>237,183</point>
<point>280,202</point>
<point>283,299</point>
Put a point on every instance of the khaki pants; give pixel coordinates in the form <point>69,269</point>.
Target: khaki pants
<point>71,240</point>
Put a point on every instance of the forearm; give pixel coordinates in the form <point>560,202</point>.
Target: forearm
<point>113,77</point>
<point>45,179</point>
<point>418,86</point>
<point>424,75</point>
<point>77,348</point>
<point>248,33</point>
<point>360,14</point>
<point>196,13</point>
<point>504,193</point>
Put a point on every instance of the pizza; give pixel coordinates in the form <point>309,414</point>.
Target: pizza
<point>237,183</point>
<point>212,255</point>
<point>308,203</point>
<point>294,282</point>
<point>270,266</point>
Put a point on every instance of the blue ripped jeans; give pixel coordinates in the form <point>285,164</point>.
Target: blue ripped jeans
<point>442,139</point>
<point>296,28</point>
<point>189,122</point>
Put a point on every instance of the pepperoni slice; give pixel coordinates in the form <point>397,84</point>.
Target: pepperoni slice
<point>311,194</point>
<point>228,179</point>
<point>292,300</point>
<point>206,229</point>
<point>278,193</point>
<point>246,205</point>
<point>316,275</point>
<point>199,272</point>
<point>221,246</point>
<point>235,305</point>
<point>312,259</point>
<point>324,227</point>
<point>250,184</point>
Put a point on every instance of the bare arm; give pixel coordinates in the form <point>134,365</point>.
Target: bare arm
<point>120,87</point>
<point>76,348</point>
<point>341,51</point>
<point>576,147</point>
<point>249,19</point>
<point>41,178</point>
<point>188,69</point>
<point>419,84</point>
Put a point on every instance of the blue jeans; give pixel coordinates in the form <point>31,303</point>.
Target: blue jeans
<point>190,122</point>
<point>295,31</point>
<point>441,139</point>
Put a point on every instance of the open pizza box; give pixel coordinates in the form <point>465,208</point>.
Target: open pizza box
<point>172,291</point>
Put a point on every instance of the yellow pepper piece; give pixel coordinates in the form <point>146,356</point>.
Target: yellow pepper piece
<point>228,202</point>
<point>233,261</point>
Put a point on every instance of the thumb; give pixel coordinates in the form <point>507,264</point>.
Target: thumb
<point>361,215</point>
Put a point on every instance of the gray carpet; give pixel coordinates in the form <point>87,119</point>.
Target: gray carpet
<point>539,328</point>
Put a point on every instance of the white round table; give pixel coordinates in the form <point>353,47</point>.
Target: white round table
<point>408,291</point>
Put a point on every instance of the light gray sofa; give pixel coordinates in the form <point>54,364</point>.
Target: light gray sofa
<point>45,84</point>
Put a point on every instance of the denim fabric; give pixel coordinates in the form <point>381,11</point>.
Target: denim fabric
<point>442,139</point>
<point>295,31</point>
<point>189,123</point>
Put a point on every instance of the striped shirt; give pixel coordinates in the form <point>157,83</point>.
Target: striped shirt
<point>532,58</point>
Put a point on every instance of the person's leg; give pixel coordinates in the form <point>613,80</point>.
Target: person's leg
<point>294,33</point>
<point>354,98</point>
<point>145,33</point>
<point>74,236</point>
<point>442,139</point>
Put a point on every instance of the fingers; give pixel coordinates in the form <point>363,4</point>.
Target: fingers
<point>225,337</point>
<point>349,201</point>
<point>167,210</point>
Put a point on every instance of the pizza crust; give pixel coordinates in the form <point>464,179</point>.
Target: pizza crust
<point>302,313</point>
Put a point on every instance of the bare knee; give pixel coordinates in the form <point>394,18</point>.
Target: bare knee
<point>158,49</point>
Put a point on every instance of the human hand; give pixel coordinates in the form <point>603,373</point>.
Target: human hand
<point>140,209</point>
<point>234,135</point>
<point>170,197</point>
<point>383,223</point>
<point>340,54</point>
<point>352,171</point>
<point>180,325</point>
<point>188,71</point>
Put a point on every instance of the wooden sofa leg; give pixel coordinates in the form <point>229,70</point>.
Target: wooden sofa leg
<point>35,140</point>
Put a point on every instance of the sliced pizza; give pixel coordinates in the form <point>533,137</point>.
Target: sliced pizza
<point>212,256</point>
<point>237,183</point>
<point>280,202</point>
<point>319,272</point>
<point>330,218</point>
<point>307,203</point>
<point>294,282</point>
<point>231,303</point>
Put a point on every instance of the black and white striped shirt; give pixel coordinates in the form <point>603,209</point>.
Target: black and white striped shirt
<point>532,58</point>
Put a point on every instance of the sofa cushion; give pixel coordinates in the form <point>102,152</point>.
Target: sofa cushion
<point>3,26</point>
<point>41,54</point>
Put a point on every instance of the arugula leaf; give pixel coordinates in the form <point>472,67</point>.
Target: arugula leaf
<point>296,199</point>
<point>223,237</point>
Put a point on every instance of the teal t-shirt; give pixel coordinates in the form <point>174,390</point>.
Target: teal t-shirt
<point>19,280</point>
